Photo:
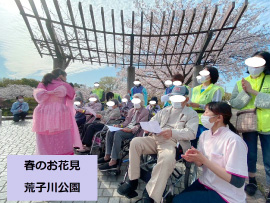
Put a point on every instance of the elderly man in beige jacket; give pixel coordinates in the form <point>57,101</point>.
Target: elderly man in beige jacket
<point>179,123</point>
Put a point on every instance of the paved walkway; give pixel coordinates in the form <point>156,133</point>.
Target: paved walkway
<point>19,139</point>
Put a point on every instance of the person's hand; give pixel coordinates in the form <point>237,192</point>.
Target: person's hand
<point>194,155</point>
<point>190,151</point>
<point>127,130</point>
<point>146,132</point>
<point>98,116</point>
<point>80,110</point>
<point>194,105</point>
<point>115,125</point>
<point>167,134</point>
<point>246,86</point>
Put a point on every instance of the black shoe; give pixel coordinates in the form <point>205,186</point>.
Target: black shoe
<point>146,198</point>
<point>128,188</point>
<point>102,161</point>
<point>251,189</point>
<point>107,167</point>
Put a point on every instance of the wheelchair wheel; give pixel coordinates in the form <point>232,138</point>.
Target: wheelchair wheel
<point>149,161</point>
<point>190,174</point>
<point>114,172</point>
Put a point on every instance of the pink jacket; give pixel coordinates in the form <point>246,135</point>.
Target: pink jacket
<point>142,116</point>
<point>55,111</point>
<point>56,83</point>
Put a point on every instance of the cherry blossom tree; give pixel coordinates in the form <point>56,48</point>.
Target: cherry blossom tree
<point>12,91</point>
<point>250,36</point>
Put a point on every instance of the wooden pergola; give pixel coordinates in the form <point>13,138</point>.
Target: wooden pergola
<point>57,42</point>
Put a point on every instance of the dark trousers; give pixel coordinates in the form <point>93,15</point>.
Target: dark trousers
<point>251,140</point>
<point>80,121</point>
<point>19,116</point>
<point>198,193</point>
<point>89,132</point>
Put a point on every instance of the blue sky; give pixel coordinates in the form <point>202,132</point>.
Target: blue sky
<point>19,58</point>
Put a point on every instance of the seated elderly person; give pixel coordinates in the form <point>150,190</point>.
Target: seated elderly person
<point>153,107</point>
<point>130,127</point>
<point>94,103</point>
<point>19,109</point>
<point>125,106</point>
<point>112,113</point>
<point>82,110</point>
<point>179,123</point>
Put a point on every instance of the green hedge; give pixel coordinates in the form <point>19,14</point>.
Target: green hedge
<point>7,104</point>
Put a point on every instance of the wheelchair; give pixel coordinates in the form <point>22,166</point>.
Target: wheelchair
<point>183,175</point>
<point>123,153</point>
<point>90,118</point>
<point>99,138</point>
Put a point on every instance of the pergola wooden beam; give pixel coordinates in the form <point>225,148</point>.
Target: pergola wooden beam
<point>19,5</point>
<point>140,38</point>
<point>114,42</point>
<point>123,32</point>
<point>170,30</point>
<point>104,29</point>
<point>56,5</point>
<point>178,34</point>
<point>149,40</point>
<point>85,32</point>
<point>196,38</point>
<point>67,44</point>
<point>95,32</point>
<point>75,29</point>
<point>237,19</point>
<point>222,24</point>
<point>128,34</point>
<point>161,29</point>
<point>34,9</point>
<point>186,37</point>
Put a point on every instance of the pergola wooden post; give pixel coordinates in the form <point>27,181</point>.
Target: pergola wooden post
<point>198,67</point>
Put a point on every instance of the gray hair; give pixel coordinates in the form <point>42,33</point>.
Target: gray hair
<point>140,96</point>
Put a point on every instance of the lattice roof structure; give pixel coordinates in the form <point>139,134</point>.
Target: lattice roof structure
<point>54,36</point>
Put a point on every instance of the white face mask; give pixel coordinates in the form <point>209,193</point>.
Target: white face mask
<point>164,98</point>
<point>168,83</point>
<point>137,106</point>
<point>20,100</point>
<point>204,79</point>
<point>199,80</point>
<point>92,102</point>
<point>110,107</point>
<point>177,105</point>
<point>206,123</point>
<point>255,71</point>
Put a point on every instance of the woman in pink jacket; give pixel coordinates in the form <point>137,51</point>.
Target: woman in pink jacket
<point>53,118</point>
